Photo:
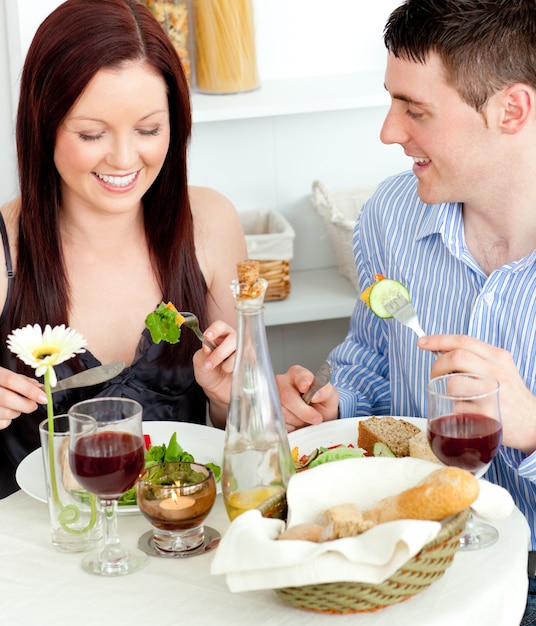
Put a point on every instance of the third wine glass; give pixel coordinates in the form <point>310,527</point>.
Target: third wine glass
<point>464,429</point>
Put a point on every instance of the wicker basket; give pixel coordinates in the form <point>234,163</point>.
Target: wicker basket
<point>352,597</point>
<point>270,240</point>
<point>340,208</point>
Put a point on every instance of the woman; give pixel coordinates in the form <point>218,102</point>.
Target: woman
<point>106,226</point>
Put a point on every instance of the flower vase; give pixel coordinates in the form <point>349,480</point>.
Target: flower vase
<point>75,523</point>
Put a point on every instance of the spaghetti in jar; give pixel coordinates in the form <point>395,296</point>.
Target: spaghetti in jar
<point>224,46</point>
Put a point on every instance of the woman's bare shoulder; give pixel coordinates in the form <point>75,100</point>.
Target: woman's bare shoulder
<point>207,203</point>
<point>10,212</point>
<point>220,245</point>
<point>214,215</point>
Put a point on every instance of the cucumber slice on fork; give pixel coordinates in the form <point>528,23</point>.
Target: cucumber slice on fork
<point>385,291</point>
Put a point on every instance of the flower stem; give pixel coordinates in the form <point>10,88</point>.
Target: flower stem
<point>68,514</point>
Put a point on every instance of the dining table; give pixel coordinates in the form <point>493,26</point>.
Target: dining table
<point>40,585</point>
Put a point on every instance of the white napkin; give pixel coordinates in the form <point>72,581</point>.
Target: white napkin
<point>250,558</point>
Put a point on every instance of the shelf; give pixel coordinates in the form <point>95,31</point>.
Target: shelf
<point>315,295</point>
<point>293,96</point>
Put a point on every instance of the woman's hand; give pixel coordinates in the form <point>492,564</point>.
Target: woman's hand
<point>214,368</point>
<point>296,413</point>
<point>18,394</point>
<point>461,353</point>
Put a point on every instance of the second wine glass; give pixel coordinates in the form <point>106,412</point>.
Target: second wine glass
<point>465,430</point>
<point>107,454</point>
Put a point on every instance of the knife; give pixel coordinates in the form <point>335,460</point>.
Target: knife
<point>322,377</point>
<point>89,377</point>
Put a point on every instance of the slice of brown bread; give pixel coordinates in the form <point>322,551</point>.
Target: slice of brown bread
<point>394,433</point>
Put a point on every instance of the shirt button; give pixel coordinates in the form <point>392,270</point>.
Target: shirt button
<point>488,298</point>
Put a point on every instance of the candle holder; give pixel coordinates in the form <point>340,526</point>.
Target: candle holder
<point>176,498</point>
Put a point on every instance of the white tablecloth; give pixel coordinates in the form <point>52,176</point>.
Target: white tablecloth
<point>41,586</point>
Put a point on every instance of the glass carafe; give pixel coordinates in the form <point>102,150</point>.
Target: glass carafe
<point>257,462</point>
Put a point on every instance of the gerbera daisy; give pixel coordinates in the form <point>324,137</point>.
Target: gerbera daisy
<point>42,350</point>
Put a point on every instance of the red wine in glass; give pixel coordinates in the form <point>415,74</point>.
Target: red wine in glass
<point>464,430</point>
<point>107,454</point>
<point>465,440</point>
<point>108,463</point>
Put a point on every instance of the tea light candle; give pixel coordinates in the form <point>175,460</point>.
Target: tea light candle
<point>177,507</point>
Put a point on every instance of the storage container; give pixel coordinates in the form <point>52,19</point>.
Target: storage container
<point>223,35</point>
<point>270,240</point>
<point>174,19</point>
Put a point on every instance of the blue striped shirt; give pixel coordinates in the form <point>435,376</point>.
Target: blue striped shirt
<point>378,368</point>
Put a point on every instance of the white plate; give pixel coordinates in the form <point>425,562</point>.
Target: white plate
<point>332,433</point>
<point>203,442</point>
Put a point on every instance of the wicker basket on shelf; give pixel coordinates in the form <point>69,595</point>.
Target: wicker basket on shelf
<point>270,240</point>
<point>352,597</point>
<point>339,209</point>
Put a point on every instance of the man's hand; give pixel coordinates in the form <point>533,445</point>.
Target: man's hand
<point>324,405</point>
<point>461,353</point>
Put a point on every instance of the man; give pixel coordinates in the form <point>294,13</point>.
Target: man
<point>459,231</point>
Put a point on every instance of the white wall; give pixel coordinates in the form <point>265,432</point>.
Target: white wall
<point>294,38</point>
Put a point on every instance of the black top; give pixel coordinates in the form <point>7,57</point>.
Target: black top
<point>169,394</point>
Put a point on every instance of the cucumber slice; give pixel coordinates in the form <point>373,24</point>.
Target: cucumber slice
<point>382,449</point>
<point>383,291</point>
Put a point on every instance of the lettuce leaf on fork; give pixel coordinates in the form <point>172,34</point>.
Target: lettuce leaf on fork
<point>164,323</point>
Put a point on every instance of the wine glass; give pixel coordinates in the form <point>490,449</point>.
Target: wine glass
<point>464,429</point>
<point>107,454</point>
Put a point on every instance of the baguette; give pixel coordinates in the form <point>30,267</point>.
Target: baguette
<point>446,491</point>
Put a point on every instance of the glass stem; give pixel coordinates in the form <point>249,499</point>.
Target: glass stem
<point>468,535</point>
<point>113,553</point>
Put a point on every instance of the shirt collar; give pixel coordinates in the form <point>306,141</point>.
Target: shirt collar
<point>446,220</point>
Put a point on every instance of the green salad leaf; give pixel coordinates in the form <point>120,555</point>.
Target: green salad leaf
<point>180,474</point>
<point>162,324</point>
<point>336,454</point>
<point>170,453</point>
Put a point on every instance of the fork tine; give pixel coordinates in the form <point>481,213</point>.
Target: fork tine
<point>394,304</point>
<point>191,321</point>
<point>403,311</point>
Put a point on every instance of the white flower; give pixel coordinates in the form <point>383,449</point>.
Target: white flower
<point>44,349</point>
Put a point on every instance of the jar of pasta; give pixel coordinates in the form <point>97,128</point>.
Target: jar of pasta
<point>173,16</point>
<point>223,36</point>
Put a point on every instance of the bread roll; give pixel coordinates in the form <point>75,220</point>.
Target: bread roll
<point>419,448</point>
<point>446,491</point>
<point>343,520</point>
<point>305,532</point>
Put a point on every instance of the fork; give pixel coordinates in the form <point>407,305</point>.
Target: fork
<point>402,310</point>
<point>191,321</point>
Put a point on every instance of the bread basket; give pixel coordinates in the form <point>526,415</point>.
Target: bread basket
<point>352,597</point>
